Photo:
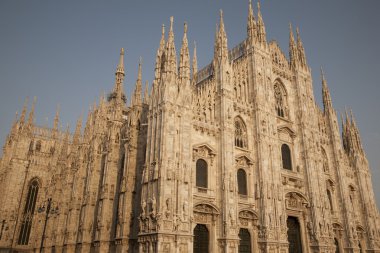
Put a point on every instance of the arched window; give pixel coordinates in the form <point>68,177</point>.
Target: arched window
<point>281,100</point>
<point>336,245</point>
<point>242,182</point>
<point>245,241</point>
<point>38,146</point>
<point>26,224</point>
<point>201,173</point>
<point>201,239</point>
<point>240,133</point>
<point>286,157</point>
<point>330,200</point>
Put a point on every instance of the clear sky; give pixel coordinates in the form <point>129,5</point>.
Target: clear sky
<point>66,52</point>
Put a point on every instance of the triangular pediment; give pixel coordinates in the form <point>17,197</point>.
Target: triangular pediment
<point>288,130</point>
<point>243,160</point>
<point>204,146</point>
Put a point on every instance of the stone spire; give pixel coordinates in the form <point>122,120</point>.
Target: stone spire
<point>31,114</point>
<point>118,92</point>
<point>146,93</point>
<point>261,34</point>
<point>356,135</point>
<point>221,48</point>
<point>301,50</point>
<point>325,93</point>
<point>138,87</point>
<point>77,132</point>
<point>65,145</point>
<point>184,61</point>
<point>56,119</point>
<point>23,112</point>
<point>251,24</point>
<point>170,52</point>
<point>160,51</point>
<point>293,52</point>
<point>195,62</point>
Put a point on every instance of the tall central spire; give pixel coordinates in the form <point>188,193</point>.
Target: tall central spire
<point>293,52</point>
<point>261,34</point>
<point>171,57</point>
<point>184,61</point>
<point>118,92</point>
<point>251,24</point>
<point>138,88</point>
<point>221,48</point>
<point>325,93</point>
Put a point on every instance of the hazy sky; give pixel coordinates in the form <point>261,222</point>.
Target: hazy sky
<point>66,52</point>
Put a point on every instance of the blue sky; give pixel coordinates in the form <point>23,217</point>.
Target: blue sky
<point>66,52</point>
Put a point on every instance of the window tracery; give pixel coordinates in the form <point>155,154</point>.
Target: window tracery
<point>27,218</point>
<point>281,100</point>
<point>240,133</point>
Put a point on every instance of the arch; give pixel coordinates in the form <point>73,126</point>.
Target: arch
<point>203,207</point>
<point>201,173</point>
<point>242,182</point>
<point>201,239</point>
<point>280,96</point>
<point>240,133</point>
<point>30,205</point>
<point>286,157</point>
<point>245,241</point>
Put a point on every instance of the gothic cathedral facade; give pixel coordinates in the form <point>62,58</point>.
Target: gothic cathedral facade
<point>234,157</point>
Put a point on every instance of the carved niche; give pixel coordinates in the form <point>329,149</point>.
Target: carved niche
<point>205,214</point>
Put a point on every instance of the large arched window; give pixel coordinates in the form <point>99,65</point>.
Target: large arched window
<point>286,157</point>
<point>201,173</point>
<point>280,99</point>
<point>240,133</point>
<point>201,239</point>
<point>242,182</point>
<point>26,223</point>
<point>245,241</point>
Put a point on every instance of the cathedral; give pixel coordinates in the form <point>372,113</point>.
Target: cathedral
<point>235,157</point>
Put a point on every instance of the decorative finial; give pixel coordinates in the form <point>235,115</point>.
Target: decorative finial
<point>163,29</point>
<point>171,23</point>
<point>122,51</point>
<point>221,14</point>
<point>185,27</point>
<point>258,5</point>
<point>322,74</point>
